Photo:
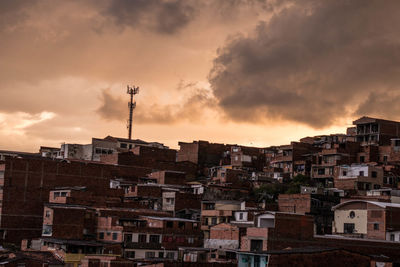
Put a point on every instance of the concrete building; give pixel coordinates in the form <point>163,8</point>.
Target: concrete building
<point>331,156</point>
<point>376,131</point>
<point>368,219</point>
<point>360,177</point>
<point>216,212</point>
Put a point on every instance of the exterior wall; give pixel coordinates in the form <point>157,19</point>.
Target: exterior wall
<point>69,223</point>
<point>339,258</point>
<point>223,206</point>
<point>28,182</point>
<point>244,216</point>
<point>356,177</point>
<point>376,223</point>
<point>141,253</point>
<point>396,235</point>
<point>188,152</point>
<point>296,203</point>
<point>221,244</point>
<point>107,226</point>
<point>245,260</point>
<point>342,217</point>
<point>168,203</point>
<point>254,233</point>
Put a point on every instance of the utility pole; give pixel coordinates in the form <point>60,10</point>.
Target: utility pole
<point>131,105</point>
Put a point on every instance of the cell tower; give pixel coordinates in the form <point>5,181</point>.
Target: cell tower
<point>132,104</point>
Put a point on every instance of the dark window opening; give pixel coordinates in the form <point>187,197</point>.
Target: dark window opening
<point>348,228</point>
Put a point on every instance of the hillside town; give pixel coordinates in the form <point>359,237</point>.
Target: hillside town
<point>322,200</point>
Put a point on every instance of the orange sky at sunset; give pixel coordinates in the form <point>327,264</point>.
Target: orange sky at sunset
<point>249,72</point>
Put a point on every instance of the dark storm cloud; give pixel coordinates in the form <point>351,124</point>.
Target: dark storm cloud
<point>191,109</point>
<point>14,11</point>
<point>380,104</point>
<point>312,63</point>
<point>162,16</point>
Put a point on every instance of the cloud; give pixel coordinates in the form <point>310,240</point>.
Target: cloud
<point>313,63</point>
<point>166,17</point>
<point>18,122</point>
<point>194,107</point>
<point>380,104</point>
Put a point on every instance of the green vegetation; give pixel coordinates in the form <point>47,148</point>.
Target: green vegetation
<point>298,181</point>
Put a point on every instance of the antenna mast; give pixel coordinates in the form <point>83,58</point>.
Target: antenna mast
<point>131,105</point>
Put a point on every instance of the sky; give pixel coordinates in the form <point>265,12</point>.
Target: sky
<point>250,72</point>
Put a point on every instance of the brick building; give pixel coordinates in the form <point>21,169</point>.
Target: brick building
<point>368,219</point>
<point>358,177</point>
<point>27,183</point>
<point>376,131</point>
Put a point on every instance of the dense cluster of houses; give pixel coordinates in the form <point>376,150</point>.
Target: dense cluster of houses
<point>331,199</point>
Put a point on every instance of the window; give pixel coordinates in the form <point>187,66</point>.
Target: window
<point>209,206</point>
<point>391,237</point>
<point>170,255</point>
<point>150,254</point>
<point>170,224</point>
<point>213,256</point>
<point>98,150</point>
<point>130,254</point>
<point>161,254</point>
<point>374,174</point>
<point>361,173</point>
<point>352,214</point>
<point>142,238</point>
<point>348,228</point>
<point>321,171</point>
<point>170,200</point>
<point>127,238</point>
<point>123,145</point>
<point>114,236</point>
<point>190,240</point>
<point>240,216</point>
<point>154,239</point>
<point>344,173</point>
<point>56,194</point>
<point>101,235</point>
<point>181,225</point>
<point>213,220</point>
<point>130,146</point>
<point>385,158</point>
<point>48,213</point>
<point>362,159</point>
<point>376,226</point>
<point>256,245</point>
<point>47,230</point>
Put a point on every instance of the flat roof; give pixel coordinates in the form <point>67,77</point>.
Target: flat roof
<point>169,219</point>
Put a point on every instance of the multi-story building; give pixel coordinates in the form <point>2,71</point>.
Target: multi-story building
<point>376,131</point>
<point>368,219</point>
<point>331,156</point>
<point>287,155</point>
<point>216,212</point>
<point>358,177</point>
<point>149,237</point>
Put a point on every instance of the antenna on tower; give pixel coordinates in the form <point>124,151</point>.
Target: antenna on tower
<point>131,105</point>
